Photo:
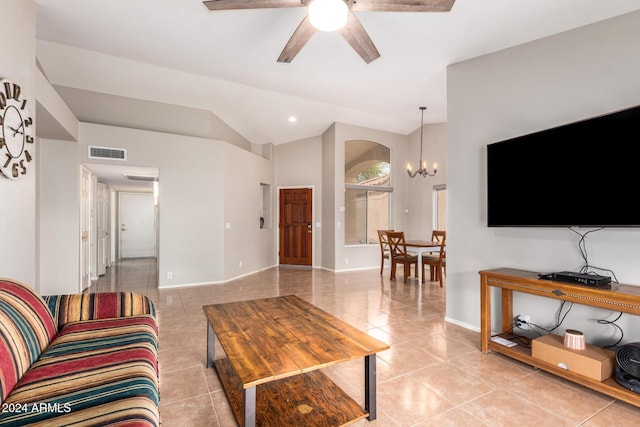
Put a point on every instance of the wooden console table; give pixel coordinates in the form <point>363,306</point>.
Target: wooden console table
<point>623,298</point>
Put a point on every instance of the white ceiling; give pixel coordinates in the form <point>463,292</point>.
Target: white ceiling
<point>327,81</point>
<point>114,175</point>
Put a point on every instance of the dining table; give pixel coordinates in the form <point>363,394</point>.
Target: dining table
<point>420,247</point>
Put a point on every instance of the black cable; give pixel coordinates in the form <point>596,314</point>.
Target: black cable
<point>512,336</point>
<point>559,320</point>
<point>613,322</point>
<point>582,246</point>
<point>520,339</point>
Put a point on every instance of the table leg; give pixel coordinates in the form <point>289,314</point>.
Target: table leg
<point>507,309</point>
<point>370,386</point>
<point>419,267</point>
<point>249,409</point>
<point>485,314</point>
<point>211,346</point>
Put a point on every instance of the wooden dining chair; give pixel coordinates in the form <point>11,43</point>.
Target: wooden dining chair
<point>399,255</point>
<point>437,261</point>
<point>384,247</point>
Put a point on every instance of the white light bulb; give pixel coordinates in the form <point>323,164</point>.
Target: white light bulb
<point>328,15</point>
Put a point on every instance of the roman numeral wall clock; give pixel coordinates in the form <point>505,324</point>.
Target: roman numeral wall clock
<point>16,141</point>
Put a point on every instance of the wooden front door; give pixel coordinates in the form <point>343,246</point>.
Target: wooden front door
<point>296,231</point>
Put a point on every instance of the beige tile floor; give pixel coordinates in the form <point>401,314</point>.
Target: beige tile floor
<point>433,375</point>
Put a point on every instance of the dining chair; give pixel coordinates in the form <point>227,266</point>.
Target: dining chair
<point>399,255</point>
<point>437,261</point>
<point>384,247</point>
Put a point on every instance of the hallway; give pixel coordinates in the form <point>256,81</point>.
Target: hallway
<point>134,274</point>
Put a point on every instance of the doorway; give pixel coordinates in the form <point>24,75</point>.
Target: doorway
<point>100,227</point>
<point>85,228</point>
<point>137,225</point>
<point>295,226</point>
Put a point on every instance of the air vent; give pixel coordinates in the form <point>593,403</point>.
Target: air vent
<point>107,153</point>
<point>140,177</point>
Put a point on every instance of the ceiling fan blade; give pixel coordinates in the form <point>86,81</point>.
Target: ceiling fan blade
<point>402,5</point>
<point>357,36</point>
<point>252,4</point>
<point>298,39</point>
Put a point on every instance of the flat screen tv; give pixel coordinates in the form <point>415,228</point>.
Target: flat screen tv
<point>583,174</point>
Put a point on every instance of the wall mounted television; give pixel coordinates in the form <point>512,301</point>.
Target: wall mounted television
<point>583,174</point>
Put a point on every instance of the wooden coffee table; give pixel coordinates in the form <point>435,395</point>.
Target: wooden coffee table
<point>274,349</point>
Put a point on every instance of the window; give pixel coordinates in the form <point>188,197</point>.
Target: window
<point>367,191</point>
<point>440,207</point>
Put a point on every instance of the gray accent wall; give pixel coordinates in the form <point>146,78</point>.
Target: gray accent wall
<point>568,77</point>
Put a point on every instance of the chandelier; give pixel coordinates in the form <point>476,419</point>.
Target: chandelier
<point>423,170</point>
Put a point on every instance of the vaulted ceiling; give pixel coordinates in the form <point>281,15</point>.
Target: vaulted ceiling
<point>226,60</point>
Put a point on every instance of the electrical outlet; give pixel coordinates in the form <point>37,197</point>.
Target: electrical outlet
<point>169,275</point>
<point>522,321</point>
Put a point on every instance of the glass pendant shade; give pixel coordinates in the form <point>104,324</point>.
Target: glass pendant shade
<point>328,15</point>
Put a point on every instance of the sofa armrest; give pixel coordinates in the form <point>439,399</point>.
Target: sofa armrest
<point>96,306</point>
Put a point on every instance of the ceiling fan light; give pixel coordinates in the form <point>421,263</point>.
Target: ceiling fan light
<point>328,15</point>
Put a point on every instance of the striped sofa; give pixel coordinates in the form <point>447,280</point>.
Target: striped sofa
<point>81,360</point>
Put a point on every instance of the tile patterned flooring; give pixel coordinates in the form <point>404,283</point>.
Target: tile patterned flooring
<point>433,375</point>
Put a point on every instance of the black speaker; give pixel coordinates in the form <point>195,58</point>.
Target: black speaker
<point>628,366</point>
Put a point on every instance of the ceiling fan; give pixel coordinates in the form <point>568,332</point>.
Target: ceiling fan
<point>352,30</point>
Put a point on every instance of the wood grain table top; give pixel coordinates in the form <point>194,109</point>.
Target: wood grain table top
<point>422,243</point>
<point>273,338</point>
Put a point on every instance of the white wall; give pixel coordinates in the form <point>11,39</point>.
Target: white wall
<point>138,92</point>
<point>201,187</point>
<point>18,198</point>
<point>564,78</point>
<point>329,188</point>
<point>320,162</point>
<point>420,190</point>
<point>360,257</point>
<point>247,247</point>
<point>59,217</point>
<point>299,164</point>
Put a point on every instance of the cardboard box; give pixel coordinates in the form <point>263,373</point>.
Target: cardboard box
<point>593,362</point>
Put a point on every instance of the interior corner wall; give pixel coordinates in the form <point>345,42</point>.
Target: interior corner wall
<point>59,217</point>
<point>191,205</point>
<point>18,251</point>
<point>358,257</point>
<point>329,207</point>
<point>299,164</point>
<point>420,202</point>
<point>560,79</point>
<point>247,247</point>
<point>128,85</point>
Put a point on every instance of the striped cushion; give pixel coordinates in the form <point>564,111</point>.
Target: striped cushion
<point>72,308</point>
<point>26,329</point>
<point>94,373</point>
